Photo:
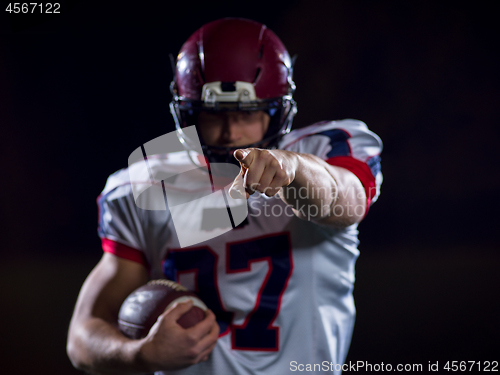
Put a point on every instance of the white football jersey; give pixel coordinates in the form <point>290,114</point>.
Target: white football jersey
<point>281,287</point>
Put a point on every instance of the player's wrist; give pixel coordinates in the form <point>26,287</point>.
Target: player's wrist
<point>290,162</point>
<point>300,166</point>
<point>145,356</point>
<point>149,359</point>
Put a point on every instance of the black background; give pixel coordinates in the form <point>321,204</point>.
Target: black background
<point>82,89</point>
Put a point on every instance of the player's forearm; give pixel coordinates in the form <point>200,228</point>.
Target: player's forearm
<point>98,347</point>
<point>313,190</point>
<point>323,193</point>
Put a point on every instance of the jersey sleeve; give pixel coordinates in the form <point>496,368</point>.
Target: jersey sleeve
<point>348,144</point>
<point>119,224</point>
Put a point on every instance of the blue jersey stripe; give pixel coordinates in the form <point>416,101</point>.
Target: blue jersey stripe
<point>374,164</point>
<point>338,141</point>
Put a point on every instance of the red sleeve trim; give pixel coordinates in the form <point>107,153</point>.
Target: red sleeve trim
<point>361,170</point>
<point>123,251</point>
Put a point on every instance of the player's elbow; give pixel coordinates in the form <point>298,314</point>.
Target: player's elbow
<point>75,352</point>
<point>346,212</point>
<point>351,213</point>
<point>342,221</point>
<point>73,356</point>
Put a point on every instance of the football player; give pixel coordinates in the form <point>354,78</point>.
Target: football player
<point>279,286</point>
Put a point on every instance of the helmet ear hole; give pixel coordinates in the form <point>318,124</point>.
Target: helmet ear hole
<point>261,51</point>
<point>257,73</point>
<point>200,75</point>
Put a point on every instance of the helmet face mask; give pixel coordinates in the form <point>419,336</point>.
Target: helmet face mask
<point>233,65</point>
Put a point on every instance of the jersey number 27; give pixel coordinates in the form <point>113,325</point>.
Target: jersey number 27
<point>257,331</point>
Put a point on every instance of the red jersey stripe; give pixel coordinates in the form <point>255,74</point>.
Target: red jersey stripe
<point>123,251</point>
<point>361,170</point>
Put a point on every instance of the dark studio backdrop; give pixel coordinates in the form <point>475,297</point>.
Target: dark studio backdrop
<point>79,91</point>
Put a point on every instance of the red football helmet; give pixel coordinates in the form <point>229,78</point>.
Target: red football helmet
<point>234,64</point>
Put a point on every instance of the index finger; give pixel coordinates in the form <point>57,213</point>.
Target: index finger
<point>245,156</point>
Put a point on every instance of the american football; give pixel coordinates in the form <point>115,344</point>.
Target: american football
<point>141,308</point>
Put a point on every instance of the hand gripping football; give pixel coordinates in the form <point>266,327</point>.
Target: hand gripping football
<point>142,307</point>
